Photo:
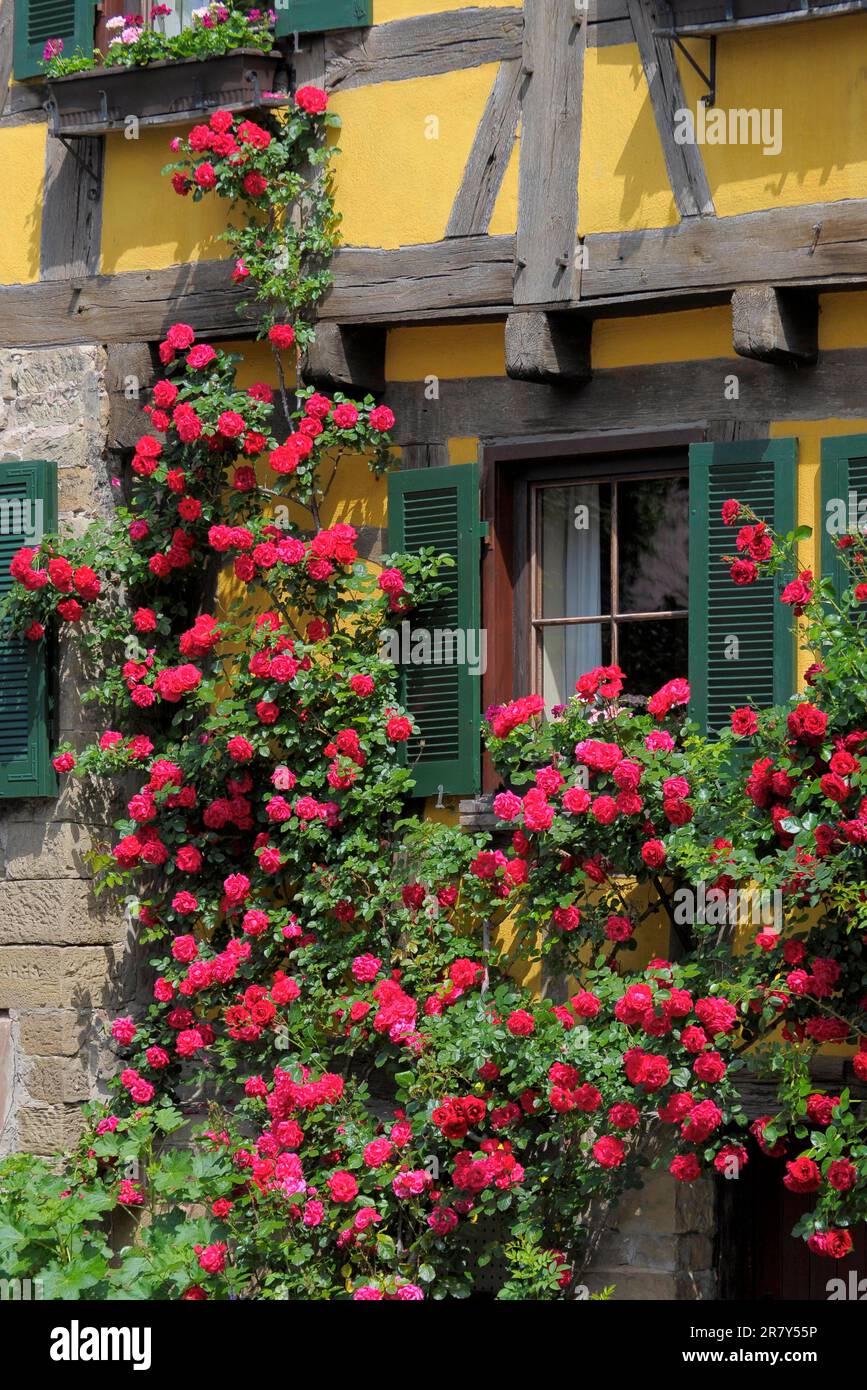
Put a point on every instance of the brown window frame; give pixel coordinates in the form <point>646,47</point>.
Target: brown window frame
<point>510,470</point>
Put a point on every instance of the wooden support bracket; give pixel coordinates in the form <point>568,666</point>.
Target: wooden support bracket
<point>776,325</point>
<point>552,348</point>
<point>346,358</point>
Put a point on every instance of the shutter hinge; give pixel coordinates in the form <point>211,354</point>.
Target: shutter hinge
<point>485,533</point>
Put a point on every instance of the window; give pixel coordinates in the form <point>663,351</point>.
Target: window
<point>609,578</point>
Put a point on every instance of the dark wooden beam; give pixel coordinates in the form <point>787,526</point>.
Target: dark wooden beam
<point>702,261</point>
<point>7,15</point>
<point>489,156</point>
<point>660,395</point>
<point>129,375</point>
<point>471,271</point>
<point>422,46</point>
<point>806,244</point>
<point>684,163</point>
<point>555,41</point>
<point>552,348</point>
<point>774,325</point>
<point>71,208</point>
<point>347,358</point>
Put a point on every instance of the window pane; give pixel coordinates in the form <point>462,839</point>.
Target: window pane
<point>574,551</point>
<point>653,545</point>
<point>652,653</point>
<point>569,651</point>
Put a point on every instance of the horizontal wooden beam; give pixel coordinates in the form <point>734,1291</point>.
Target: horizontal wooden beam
<point>548,347</point>
<point>660,395</point>
<point>804,244</point>
<point>468,273</point>
<point>774,325</point>
<point>423,46</point>
<point>136,306</point>
<point>703,261</point>
<point>463,276</point>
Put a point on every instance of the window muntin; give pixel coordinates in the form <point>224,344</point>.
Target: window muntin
<point>609,564</point>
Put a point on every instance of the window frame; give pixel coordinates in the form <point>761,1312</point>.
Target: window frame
<point>613,475</point>
<point>508,465</point>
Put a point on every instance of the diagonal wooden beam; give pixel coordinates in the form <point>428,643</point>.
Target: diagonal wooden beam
<point>684,163</point>
<point>489,157</point>
<point>422,46</point>
<point>555,41</point>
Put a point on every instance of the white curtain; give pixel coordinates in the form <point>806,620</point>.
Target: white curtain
<point>571,587</point>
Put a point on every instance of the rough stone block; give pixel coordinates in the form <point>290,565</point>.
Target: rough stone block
<point>696,1286</point>
<point>33,977</point>
<point>54,1032</point>
<point>633,1286</point>
<point>57,1080</point>
<point>639,1250</point>
<point>55,850</point>
<point>696,1206</point>
<point>696,1254</point>
<point>60,912</point>
<point>44,1129</point>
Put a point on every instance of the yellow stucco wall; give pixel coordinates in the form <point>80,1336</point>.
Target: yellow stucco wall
<point>22,158</point>
<point>403,148</point>
<point>145,224</point>
<point>813,74</point>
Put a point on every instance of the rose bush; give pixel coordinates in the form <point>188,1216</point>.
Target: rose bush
<point>339,1088</point>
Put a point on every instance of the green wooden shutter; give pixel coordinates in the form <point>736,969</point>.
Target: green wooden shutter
<point>28,506</point>
<point>762,474</point>
<point>844,472</point>
<point>37,21</point>
<point>317,16</point>
<point>439,507</point>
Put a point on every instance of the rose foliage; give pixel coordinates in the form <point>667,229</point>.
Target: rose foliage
<point>338,1087</point>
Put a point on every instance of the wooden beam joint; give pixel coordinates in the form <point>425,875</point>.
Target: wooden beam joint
<point>347,358</point>
<point>776,325</point>
<point>549,348</point>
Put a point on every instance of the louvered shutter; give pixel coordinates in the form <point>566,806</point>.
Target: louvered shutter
<point>318,16</point>
<point>844,480</point>
<point>762,474</point>
<point>28,506</point>
<point>439,507</point>
<point>37,21</point>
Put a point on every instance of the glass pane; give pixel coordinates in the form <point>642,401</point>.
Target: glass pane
<point>653,545</point>
<point>574,551</point>
<point>569,651</point>
<point>652,653</point>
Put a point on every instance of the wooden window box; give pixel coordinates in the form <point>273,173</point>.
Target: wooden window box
<point>163,93</point>
<point>702,18</point>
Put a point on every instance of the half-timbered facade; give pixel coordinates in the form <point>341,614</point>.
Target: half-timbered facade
<point>607,263</point>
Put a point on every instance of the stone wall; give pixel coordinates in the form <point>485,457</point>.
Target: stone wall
<point>62,957</point>
<point>659,1243</point>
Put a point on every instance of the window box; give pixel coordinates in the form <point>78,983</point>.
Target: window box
<point>706,17</point>
<point>163,93</point>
